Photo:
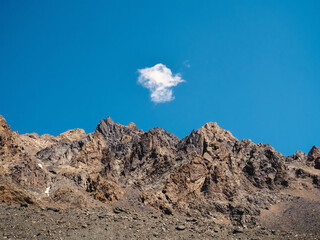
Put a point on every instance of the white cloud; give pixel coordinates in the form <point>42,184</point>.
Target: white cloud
<point>159,80</point>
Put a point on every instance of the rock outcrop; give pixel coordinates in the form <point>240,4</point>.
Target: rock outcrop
<point>209,173</point>
<point>314,157</point>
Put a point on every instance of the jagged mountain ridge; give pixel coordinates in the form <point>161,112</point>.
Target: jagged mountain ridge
<point>208,174</point>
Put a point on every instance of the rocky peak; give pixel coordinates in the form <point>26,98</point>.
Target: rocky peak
<point>191,143</point>
<point>164,133</point>
<point>2,120</point>
<point>114,132</point>
<point>209,173</point>
<point>314,152</point>
<point>33,142</point>
<point>119,138</point>
<point>314,157</point>
<point>133,126</point>
<point>9,148</point>
<point>109,120</point>
<point>212,132</point>
<point>3,124</point>
<point>298,156</point>
<point>207,136</point>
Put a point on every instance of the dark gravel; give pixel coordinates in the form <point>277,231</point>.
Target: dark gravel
<point>29,222</point>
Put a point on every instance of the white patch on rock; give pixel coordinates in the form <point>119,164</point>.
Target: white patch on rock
<point>47,191</point>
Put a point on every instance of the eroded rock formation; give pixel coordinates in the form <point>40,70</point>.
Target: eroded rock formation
<point>208,174</point>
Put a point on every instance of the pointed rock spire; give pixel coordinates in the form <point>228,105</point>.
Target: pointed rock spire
<point>133,126</point>
<point>314,157</point>
<point>2,120</point>
<point>108,120</point>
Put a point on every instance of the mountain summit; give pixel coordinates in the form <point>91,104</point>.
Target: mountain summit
<point>208,174</point>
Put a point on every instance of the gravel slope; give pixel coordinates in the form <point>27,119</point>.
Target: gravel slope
<point>28,222</point>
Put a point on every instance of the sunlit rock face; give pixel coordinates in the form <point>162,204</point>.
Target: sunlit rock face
<point>207,174</point>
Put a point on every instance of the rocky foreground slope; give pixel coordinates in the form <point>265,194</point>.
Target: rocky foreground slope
<point>208,175</point>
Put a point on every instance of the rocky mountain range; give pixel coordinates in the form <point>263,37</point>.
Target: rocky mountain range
<point>209,174</point>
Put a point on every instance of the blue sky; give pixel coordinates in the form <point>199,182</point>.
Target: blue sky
<point>252,66</point>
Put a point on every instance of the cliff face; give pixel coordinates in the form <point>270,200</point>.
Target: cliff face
<point>208,174</point>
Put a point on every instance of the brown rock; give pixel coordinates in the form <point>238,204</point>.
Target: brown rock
<point>208,174</point>
<point>314,157</point>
